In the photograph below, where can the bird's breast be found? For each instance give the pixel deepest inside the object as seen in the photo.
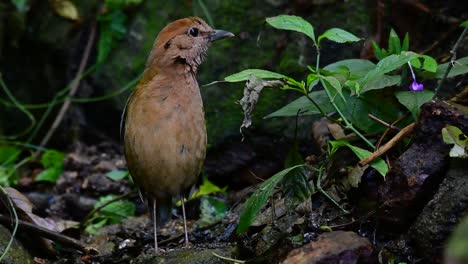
(165, 138)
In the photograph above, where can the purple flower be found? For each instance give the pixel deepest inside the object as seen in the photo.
(415, 86)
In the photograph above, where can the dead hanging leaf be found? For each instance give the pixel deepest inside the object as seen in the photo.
(65, 9)
(355, 176)
(252, 90)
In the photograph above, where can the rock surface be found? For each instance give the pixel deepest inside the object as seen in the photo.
(17, 253)
(333, 247)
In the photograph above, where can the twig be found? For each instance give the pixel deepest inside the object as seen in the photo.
(52, 235)
(228, 259)
(378, 120)
(379, 152)
(388, 130)
(452, 61)
(74, 88)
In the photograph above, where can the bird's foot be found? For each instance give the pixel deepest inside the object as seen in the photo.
(187, 245)
(159, 251)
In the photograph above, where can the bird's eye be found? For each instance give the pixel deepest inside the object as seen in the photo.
(193, 32)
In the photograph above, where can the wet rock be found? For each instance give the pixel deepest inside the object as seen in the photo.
(431, 229)
(418, 172)
(334, 247)
(17, 252)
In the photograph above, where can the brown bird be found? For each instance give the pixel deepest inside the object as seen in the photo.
(164, 125)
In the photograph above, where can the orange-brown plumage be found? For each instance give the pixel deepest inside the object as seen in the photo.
(164, 132)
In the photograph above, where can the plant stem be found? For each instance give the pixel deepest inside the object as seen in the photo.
(319, 187)
(452, 61)
(74, 88)
(317, 68)
(348, 124)
(16, 222)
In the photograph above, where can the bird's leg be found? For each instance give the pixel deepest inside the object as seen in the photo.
(187, 244)
(156, 249)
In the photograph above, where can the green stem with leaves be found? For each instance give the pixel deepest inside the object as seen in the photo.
(349, 125)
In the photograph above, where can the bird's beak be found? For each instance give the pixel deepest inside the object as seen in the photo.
(219, 34)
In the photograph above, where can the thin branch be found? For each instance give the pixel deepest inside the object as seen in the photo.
(452, 61)
(52, 235)
(74, 88)
(378, 120)
(379, 152)
(399, 119)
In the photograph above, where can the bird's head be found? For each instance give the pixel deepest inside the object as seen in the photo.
(184, 41)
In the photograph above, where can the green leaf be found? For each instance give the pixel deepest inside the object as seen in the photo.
(332, 82)
(405, 45)
(460, 66)
(394, 43)
(378, 164)
(338, 35)
(8, 175)
(413, 100)
(381, 82)
(117, 210)
(303, 106)
(212, 210)
(117, 175)
(454, 135)
(464, 24)
(429, 63)
(52, 161)
(295, 185)
(378, 52)
(207, 188)
(8, 154)
(293, 23)
(389, 64)
(245, 75)
(357, 67)
(93, 229)
(259, 198)
(113, 29)
(380, 103)
(49, 175)
(21, 5)
(311, 80)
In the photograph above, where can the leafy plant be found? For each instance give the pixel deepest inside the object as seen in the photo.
(454, 135)
(112, 213)
(113, 26)
(352, 90)
(394, 46)
(52, 161)
(259, 198)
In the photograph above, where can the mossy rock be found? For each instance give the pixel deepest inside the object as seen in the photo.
(17, 253)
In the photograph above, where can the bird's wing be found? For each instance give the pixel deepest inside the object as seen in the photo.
(123, 117)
